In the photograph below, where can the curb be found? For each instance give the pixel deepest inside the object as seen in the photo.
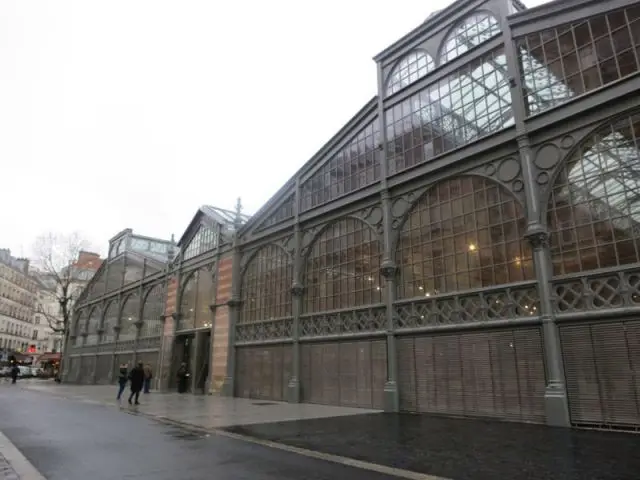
(23, 468)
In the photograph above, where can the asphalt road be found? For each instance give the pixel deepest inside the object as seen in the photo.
(72, 440)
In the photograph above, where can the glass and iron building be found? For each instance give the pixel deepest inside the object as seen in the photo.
(465, 245)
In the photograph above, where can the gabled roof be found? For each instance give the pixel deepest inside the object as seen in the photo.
(226, 218)
(319, 157)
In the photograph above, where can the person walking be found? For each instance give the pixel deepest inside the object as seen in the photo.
(136, 377)
(123, 376)
(148, 375)
(15, 371)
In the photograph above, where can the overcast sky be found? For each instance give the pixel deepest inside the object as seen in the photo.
(132, 113)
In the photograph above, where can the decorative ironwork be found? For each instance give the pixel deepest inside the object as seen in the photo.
(125, 346)
(458, 309)
(364, 320)
(475, 29)
(297, 290)
(149, 343)
(411, 68)
(279, 329)
(599, 291)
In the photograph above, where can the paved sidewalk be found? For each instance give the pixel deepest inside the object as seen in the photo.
(202, 411)
(14, 465)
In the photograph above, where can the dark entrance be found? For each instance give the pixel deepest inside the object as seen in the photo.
(182, 353)
(203, 359)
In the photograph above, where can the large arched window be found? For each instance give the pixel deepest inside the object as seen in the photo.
(408, 70)
(79, 326)
(463, 233)
(129, 317)
(153, 308)
(110, 321)
(343, 268)
(266, 286)
(477, 28)
(93, 324)
(204, 297)
(188, 303)
(594, 207)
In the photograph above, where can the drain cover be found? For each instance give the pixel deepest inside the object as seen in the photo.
(264, 404)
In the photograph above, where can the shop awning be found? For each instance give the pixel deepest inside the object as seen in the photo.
(48, 357)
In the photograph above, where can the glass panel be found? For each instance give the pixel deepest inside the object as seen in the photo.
(93, 324)
(560, 63)
(188, 303)
(464, 233)
(110, 321)
(266, 286)
(410, 69)
(284, 212)
(343, 268)
(473, 102)
(81, 324)
(115, 273)
(355, 166)
(595, 203)
(133, 272)
(204, 240)
(472, 31)
(204, 298)
(153, 308)
(129, 317)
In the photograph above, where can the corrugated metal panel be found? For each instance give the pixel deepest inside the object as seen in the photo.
(602, 367)
(344, 373)
(497, 373)
(103, 368)
(263, 372)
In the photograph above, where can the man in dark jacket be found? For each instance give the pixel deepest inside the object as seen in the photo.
(136, 377)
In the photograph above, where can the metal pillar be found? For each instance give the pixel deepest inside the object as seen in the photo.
(294, 392)
(556, 406)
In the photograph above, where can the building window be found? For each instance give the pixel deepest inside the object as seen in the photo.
(204, 240)
(266, 286)
(129, 317)
(153, 308)
(110, 321)
(562, 62)
(284, 212)
(354, 166)
(471, 32)
(594, 208)
(343, 268)
(464, 233)
(411, 68)
(93, 324)
(472, 102)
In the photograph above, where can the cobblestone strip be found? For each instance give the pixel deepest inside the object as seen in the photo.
(6, 470)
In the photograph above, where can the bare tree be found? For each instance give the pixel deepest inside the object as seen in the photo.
(55, 257)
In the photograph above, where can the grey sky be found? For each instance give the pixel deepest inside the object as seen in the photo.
(132, 113)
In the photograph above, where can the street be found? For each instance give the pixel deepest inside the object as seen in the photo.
(72, 440)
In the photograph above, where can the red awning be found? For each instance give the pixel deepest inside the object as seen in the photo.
(48, 357)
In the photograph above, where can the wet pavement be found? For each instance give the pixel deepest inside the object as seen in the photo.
(67, 439)
(463, 449)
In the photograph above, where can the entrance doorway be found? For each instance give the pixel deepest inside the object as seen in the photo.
(202, 361)
(182, 353)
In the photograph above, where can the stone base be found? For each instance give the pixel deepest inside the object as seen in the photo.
(391, 397)
(556, 406)
(293, 391)
(227, 387)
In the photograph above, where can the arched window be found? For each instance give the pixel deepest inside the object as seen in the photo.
(153, 308)
(343, 268)
(188, 303)
(129, 317)
(93, 324)
(79, 327)
(463, 233)
(408, 70)
(266, 286)
(110, 321)
(594, 207)
(204, 297)
(477, 28)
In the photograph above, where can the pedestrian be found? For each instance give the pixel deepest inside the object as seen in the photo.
(136, 377)
(183, 378)
(148, 375)
(15, 370)
(123, 376)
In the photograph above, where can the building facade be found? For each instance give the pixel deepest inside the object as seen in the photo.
(18, 292)
(160, 303)
(467, 244)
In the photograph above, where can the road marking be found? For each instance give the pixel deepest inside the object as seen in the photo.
(23, 467)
